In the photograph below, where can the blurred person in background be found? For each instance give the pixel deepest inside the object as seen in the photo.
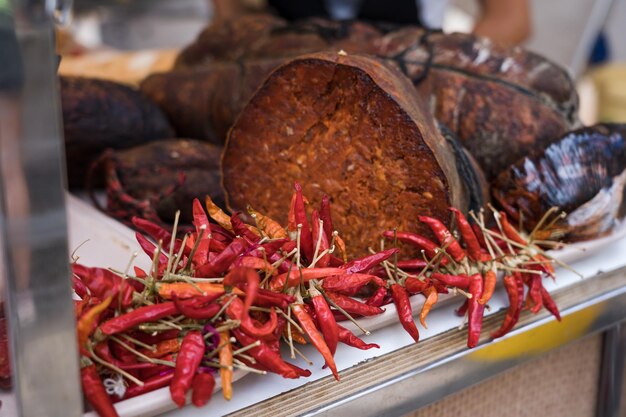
(506, 22)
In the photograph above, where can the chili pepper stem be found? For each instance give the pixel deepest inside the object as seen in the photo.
(298, 238)
(139, 354)
(228, 325)
(224, 307)
(289, 336)
(395, 255)
(317, 245)
(180, 253)
(238, 364)
(302, 356)
(170, 256)
(151, 348)
(290, 320)
(170, 324)
(543, 219)
(196, 244)
(75, 257)
(321, 255)
(246, 348)
(344, 312)
(113, 367)
(496, 216)
(217, 349)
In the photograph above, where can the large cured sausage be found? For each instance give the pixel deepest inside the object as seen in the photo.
(349, 127)
(100, 114)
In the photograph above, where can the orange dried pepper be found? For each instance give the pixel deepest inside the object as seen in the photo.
(226, 362)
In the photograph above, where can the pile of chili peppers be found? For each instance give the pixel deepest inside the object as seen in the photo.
(228, 295)
(473, 269)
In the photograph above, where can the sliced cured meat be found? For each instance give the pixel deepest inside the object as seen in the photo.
(349, 127)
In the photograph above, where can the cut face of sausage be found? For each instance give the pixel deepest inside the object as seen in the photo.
(346, 126)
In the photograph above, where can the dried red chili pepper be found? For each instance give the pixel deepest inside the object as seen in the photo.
(470, 239)
(268, 359)
(266, 298)
(94, 391)
(186, 290)
(199, 307)
(348, 338)
(151, 339)
(405, 312)
(459, 281)
(123, 354)
(202, 388)
(88, 322)
(431, 299)
(187, 363)
(326, 217)
(415, 285)
(445, 237)
(510, 232)
(369, 261)
(140, 315)
(103, 351)
(150, 249)
(243, 230)
(317, 234)
(462, 309)
(302, 275)
(549, 303)
(412, 264)
(378, 298)
(515, 296)
(103, 283)
(353, 306)
(271, 248)
(489, 286)
(350, 284)
(156, 232)
(151, 384)
(430, 248)
(314, 335)
(222, 261)
(79, 287)
(156, 369)
(163, 348)
(307, 246)
(226, 363)
(237, 311)
(475, 310)
(325, 320)
(534, 292)
(480, 236)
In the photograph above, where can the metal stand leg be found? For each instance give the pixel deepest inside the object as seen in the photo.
(612, 371)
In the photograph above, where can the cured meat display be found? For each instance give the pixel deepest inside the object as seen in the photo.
(469, 83)
(347, 126)
(98, 115)
(493, 106)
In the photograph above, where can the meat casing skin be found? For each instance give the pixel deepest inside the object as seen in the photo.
(349, 127)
